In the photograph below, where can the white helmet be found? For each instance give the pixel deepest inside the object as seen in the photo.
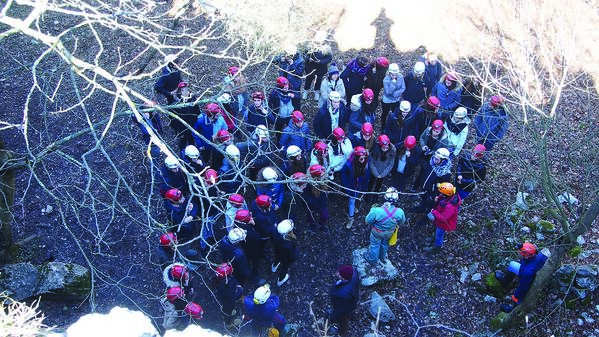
(232, 151)
(192, 152)
(237, 235)
(262, 131)
(285, 226)
(290, 49)
(262, 294)
(335, 96)
(419, 68)
(293, 151)
(269, 174)
(460, 112)
(405, 106)
(391, 195)
(393, 68)
(442, 153)
(171, 162)
(170, 58)
(224, 98)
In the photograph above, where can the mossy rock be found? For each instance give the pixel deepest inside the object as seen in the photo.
(575, 251)
(493, 285)
(497, 321)
(547, 226)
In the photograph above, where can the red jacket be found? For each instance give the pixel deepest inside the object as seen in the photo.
(446, 212)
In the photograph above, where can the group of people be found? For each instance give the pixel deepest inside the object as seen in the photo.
(241, 142)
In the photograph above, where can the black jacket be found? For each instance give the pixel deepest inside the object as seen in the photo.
(322, 121)
(344, 297)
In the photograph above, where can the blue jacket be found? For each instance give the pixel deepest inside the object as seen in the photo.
(236, 255)
(491, 125)
(264, 221)
(344, 297)
(424, 119)
(322, 121)
(393, 90)
(415, 88)
(353, 81)
(472, 172)
(449, 98)
(171, 179)
(396, 133)
(253, 119)
(300, 137)
(275, 191)
(208, 129)
(528, 272)
(293, 71)
(315, 203)
(230, 181)
(359, 117)
(354, 185)
(262, 314)
(321, 67)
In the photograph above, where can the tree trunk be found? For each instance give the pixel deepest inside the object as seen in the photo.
(7, 194)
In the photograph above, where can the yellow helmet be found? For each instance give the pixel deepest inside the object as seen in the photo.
(446, 188)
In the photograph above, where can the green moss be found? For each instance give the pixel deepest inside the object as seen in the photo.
(575, 251)
(532, 226)
(431, 290)
(550, 213)
(497, 321)
(493, 285)
(80, 286)
(13, 252)
(547, 226)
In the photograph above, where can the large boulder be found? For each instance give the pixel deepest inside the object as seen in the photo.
(23, 280)
(379, 308)
(369, 274)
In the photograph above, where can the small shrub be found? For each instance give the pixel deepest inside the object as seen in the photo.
(575, 251)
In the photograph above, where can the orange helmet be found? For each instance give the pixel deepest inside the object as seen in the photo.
(446, 188)
(527, 250)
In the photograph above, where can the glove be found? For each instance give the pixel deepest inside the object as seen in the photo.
(431, 216)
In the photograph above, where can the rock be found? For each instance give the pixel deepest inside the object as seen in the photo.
(586, 271)
(540, 237)
(463, 276)
(476, 277)
(580, 240)
(586, 283)
(490, 299)
(525, 229)
(369, 274)
(567, 197)
(579, 321)
(521, 200)
(588, 319)
(562, 277)
(377, 303)
(47, 210)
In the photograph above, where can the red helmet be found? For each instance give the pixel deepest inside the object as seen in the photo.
(258, 95)
(173, 195)
(168, 239)
(236, 200)
(178, 271)
(173, 293)
(182, 85)
(194, 310)
(233, 70)
(451, 76)
(367, 129)
(368, 94)
(433, 102)
(263, 201)
(360, 151)
(243, 216)
(224, 270)
(211, 176)
(410, 142)
(298, 176)
(382, 62)
(282, 82)
(384, 140)
(212, 109)
(496, 101)
(223, 135)
(527, 250)
(437, 124)
(339, 134)
(317, 171)
(320, 147)
(297, 116)
(479, 150)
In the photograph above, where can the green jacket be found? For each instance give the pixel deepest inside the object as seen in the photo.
(379, 219)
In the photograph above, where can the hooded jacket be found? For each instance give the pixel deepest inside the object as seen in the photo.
(378, 166)
(293, 71)
(322, 123)
(393, 89)
(456, 134)
(473, 171)
(446, 212)
(275, 191)
(354, 185)
(359, 114)
(491, 125)
(300, 137)
(398, 133)
(449, 98)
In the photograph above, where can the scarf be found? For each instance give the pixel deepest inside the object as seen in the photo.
(356, 68)
(441, 170)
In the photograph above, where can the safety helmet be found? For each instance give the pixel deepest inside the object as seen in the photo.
(243, 216)
(479, 150)
(194, 310)
(367, 129)
(442, 153)
(223, 270)
(382, 61)
(270, 175)
(182, 84)
(460, 112)
(437, 124)
(258, 95)
(293, 151)
(192, 152)
(368, 94)
(320, 147)
(316, 171)
(393, 68)
(446, 188)
(297, 116)
(173, 195)
(170, 58)
(171, 162)
(262, 294)
(339, 134)
(527, 250)
(263, 201)
(290, 49)
(233, 70)
(496, 101)
(433, 102)
(334, 96)
(419, 68)
(224, 98)
(174, 293)
(410, 142)
(223, 135)
(232, 151)
(178, 271)
(298, 176)
(262, 131)
(285, 226)
(383, 140)
(168, 239)
(360, 151)
(391, 195)
(236, 200)
(405, 106)
(212, 109)
(236, 235)
(451, 76)
(282, 82)
(211, 176)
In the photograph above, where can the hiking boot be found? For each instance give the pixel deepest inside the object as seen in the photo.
(432, 250)
(274, 267)
(507, 308)
(350, 222)
(316, 96)
(281, 282)
(305, 94)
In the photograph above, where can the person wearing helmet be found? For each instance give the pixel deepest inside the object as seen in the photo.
(177, 275)
(280, 103)
(365, 137)
(261, 308)
(235, 202)
(172, 176)
(363, 110)
(285, 250)
(231, 250)
(297, 133)
(331, 115)
(354, 75)
(252, 245)
(425, 114)
(383, 221)
(235, 84)
(187, 110)
(375, 77)
(416, 84)
(192, 160)
(382, 159)
(170, 78)
(456, 129)
(354, 178)
(471, 96)
(317, 61)
(270, 175)
(231, 178)
(265, 221)
(344, 295)
(436, 170)
(222, 139)
(321, 155)
(408, 158)
(393, 88)
(173, 304)
(167, 248)
(228, 292)
(444, 214)
(181, 214)
(526, 269)
(209, 123)
(331, 83)
(472, 169)
(401, 123)
(433, 69)
(296, 161)
(491, 122)
(434, 137)
(258, 113)
(229, 113)
(316, 199)
(256, 151)
(291, 66)
(340, 149)
(449, 91)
